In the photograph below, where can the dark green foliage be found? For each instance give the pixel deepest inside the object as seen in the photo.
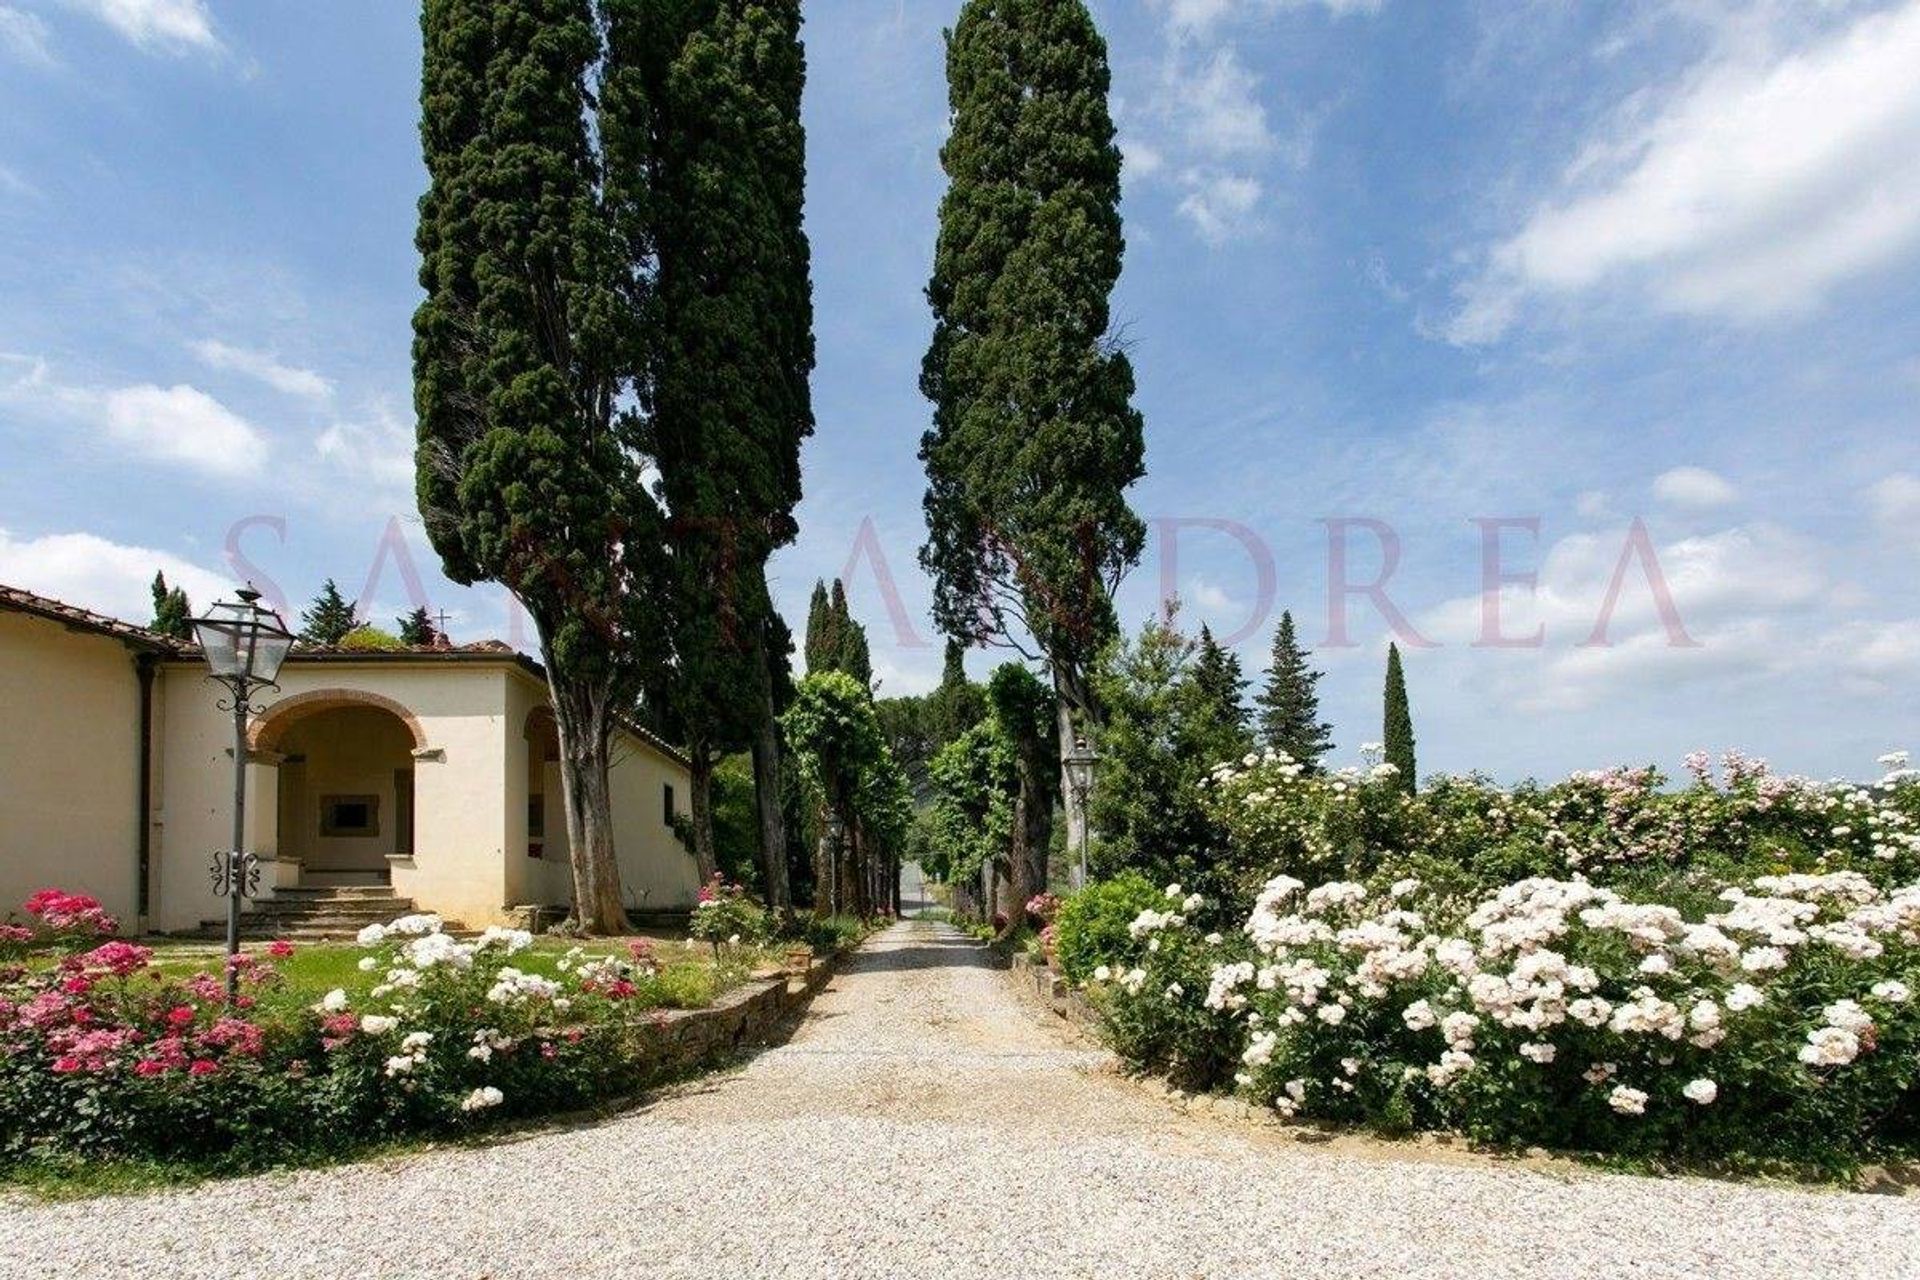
(172, 612)
(836, 641)
(1399, 722)
(1034, 439)
(1289, 702)
(903, 723)
(957, 704)
(328, 620)
(1219, 683)
(531, 359)
(417, 629)
(1165, 730)
(1091, 929)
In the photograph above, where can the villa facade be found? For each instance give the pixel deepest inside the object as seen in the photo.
(434, 771)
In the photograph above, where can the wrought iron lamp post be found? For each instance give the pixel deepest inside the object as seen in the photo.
(1079, 764)
(836, 831)
(244, 646)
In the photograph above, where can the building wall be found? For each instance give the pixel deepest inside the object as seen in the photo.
(69, 764)
(350, 751)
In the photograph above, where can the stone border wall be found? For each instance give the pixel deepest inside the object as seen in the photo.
(1056, 993)
(754, 1013)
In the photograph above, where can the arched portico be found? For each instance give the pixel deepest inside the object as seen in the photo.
(344, 799)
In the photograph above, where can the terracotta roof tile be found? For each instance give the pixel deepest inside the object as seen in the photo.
(21, 601)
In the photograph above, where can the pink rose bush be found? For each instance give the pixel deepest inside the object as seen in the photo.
(104, 1054)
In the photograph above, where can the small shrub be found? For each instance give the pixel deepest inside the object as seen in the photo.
(726, 917)
(1090, 928)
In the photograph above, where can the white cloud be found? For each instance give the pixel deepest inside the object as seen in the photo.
(185, 425)
(376, 452)
(1592, 504)
(1215, 106)
(1203, 15)
(1895, 501)
(1762, 184)
(1220, 205)
(107, 577)
(23, 37)
(166, 26)
(263, 367)
(1142, 159)
(1693, 487)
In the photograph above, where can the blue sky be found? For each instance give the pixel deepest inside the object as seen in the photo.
(1422, 265)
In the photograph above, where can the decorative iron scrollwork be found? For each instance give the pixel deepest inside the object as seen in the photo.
(224, 871)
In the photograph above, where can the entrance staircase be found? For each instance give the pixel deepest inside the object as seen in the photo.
(321, 913)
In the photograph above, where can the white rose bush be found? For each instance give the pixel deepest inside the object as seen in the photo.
(1660, 1005)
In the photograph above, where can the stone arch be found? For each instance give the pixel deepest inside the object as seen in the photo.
(541, 729)
(265, 733)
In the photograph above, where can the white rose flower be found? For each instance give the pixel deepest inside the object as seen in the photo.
(1627, 1101)
(1102, 973)
(368, 964)
(482, 1098)
(378, 1024)
(1702, 1091)
(335, 1001)
(1892, 991)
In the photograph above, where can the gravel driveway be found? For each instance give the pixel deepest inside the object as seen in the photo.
(925, 1121)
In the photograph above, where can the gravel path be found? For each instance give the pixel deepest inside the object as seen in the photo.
(926, 1121)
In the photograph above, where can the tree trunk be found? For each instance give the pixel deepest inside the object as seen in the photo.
(585, 727)
(700, 803)
(773, 820)
(1074, 717)
(823, 870)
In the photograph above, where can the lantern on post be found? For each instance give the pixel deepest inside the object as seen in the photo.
(244, 646)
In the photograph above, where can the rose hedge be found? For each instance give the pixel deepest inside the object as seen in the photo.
(1777, 1025)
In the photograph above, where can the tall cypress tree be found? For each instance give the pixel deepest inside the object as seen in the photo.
(1289, 701)
(822, 648)
(851, 653)
(535, 257)
(417, 629)
(172, 613)
(329, 618)
(957, 703)
(1399, 722)
(728, 392)
(1034, 439)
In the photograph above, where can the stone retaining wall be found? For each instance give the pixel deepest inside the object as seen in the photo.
(1056, 992)
(751, 1014)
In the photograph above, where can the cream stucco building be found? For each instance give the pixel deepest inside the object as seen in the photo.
(431, 770)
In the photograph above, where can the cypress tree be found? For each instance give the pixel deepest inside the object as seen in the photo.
(535, 258)
(851, 654)
(172, 614)
(728, 389)
(1398, 735)
(1289, 702)
(1034, 439)
(417, 629)
(821, 648)
(329, 618)
(957, 704)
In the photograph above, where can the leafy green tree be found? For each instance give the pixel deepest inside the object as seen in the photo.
(904, 724)
(975, 783)
(417, 629)
(537, 258)
(842, 757)
(329, 618)
(1399, 722)
(1289, 701)
(1034, 439)
(172, 613)
(1164, 733)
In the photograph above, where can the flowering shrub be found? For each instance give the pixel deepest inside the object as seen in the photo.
(60, 920)
(1777, 1023)
(1610, 825)
(725, 915)
(1043, 907)
(105, 1054)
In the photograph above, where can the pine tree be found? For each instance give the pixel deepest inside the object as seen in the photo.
(1290, 701)
(172, 614)
(417, 629)
(328, 620)
(1034, 439)
(1220, 684)
(1399, 722)
(536, 256)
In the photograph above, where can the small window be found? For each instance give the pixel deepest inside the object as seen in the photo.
(536, 818)
(350, 817)
(666, 797)
(403, 812)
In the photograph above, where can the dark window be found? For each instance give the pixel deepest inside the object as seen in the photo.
(666, 796)
(350, 816)
(403, 812)
(536, 817)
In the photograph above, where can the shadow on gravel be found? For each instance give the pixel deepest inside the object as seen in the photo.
(924, 953)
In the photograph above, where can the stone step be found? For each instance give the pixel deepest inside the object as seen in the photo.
(325, 892)
(366, 911)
